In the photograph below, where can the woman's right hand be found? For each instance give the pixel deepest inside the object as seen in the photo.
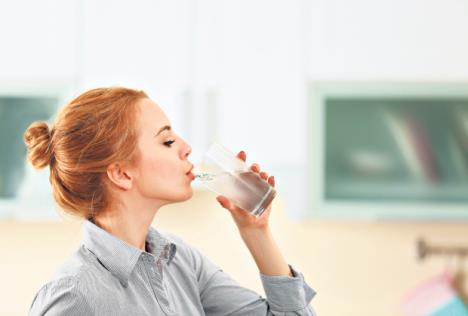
(246, 221)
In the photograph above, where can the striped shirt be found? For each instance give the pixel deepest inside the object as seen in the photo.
(107, 276)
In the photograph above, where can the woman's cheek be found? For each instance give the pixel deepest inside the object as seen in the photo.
(162, 170)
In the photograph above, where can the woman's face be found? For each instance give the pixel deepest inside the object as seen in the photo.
(161, 171)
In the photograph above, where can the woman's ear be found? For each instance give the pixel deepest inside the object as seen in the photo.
(119, 176)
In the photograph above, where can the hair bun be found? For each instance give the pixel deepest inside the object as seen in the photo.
(38, 142)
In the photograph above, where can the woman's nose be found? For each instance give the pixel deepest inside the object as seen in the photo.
(187, 150)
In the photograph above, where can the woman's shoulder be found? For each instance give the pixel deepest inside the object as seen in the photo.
(71, 272)
(60, 295)
(74, 268)
(69, 286)
(59, 286)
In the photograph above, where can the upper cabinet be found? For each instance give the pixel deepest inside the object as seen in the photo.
(238, 72)
(250, 62)
(145, 44)
(39, 41)
(388, 150)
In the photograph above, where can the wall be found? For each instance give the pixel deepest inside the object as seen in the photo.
(358, 269)
(270, 50)
(387, 40)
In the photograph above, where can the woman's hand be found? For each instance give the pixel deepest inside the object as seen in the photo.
(256, 233)
(246, 221)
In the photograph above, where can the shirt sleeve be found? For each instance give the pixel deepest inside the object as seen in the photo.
(60, 297)
(221, 295)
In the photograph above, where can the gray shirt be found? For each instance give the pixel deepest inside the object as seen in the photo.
(107, 276)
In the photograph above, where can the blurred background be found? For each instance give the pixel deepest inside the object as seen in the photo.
(359, 108)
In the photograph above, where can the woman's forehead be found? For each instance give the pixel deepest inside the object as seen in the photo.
(151, 114)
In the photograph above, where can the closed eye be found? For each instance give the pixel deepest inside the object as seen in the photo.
(169, 143)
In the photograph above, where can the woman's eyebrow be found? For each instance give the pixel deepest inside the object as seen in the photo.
(166, 127)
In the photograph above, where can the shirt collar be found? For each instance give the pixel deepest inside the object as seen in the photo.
(118, 256)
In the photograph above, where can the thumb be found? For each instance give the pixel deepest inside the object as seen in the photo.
(224, 202)
(227, 204)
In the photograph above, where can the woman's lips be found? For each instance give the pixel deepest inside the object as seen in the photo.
(191, 175)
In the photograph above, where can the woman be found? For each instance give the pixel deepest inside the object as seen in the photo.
(114, 161)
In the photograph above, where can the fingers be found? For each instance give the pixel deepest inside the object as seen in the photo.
(271, 181)
(255, 167)
(242, 155)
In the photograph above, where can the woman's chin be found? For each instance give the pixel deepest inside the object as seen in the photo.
(179, 196)
(187, 195)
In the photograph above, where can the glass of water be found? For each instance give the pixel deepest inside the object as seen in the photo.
(224, 173)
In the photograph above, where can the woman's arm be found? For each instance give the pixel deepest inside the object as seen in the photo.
(221, 295)
(287, 293)
(256, 233)
(286, 290)
(265, 252)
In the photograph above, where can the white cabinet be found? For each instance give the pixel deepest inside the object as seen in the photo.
(250, 55)
(145, 45)
(250, 85)
(421, 40)
(38, 41)
(53, 47)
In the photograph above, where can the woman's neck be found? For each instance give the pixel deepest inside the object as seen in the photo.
(127, 224)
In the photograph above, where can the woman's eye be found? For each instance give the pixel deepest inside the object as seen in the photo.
(169, 143)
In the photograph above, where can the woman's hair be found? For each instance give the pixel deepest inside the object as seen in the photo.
(92, 131)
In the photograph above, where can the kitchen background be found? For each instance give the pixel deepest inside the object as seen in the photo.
(359, 108)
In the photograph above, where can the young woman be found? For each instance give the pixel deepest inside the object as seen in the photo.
(114, 161)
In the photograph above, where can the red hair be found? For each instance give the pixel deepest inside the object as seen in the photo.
(92, 131)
